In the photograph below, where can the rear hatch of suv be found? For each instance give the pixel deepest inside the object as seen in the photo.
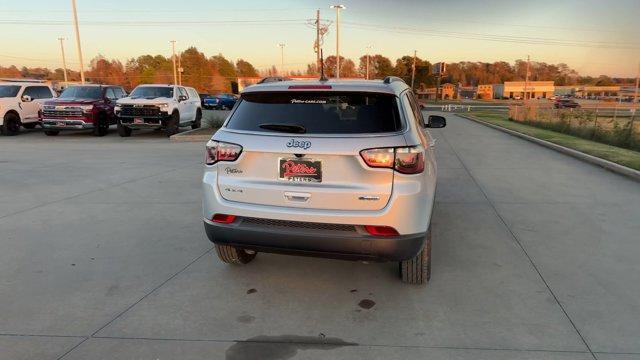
(302, 149)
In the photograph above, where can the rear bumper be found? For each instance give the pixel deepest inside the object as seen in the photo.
(65, 124)
(330, 244)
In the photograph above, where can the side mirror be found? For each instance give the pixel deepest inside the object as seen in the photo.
(436, 121)
(26, 98)
(182, 98)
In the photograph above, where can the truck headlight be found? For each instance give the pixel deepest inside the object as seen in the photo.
(86, 108)
(163, 107)
(117, 108)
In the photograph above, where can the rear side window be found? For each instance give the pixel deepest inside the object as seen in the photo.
(318, 112)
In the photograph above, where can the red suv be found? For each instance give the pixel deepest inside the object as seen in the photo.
(81, 107)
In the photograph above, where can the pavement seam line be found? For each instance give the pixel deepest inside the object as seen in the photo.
(152, 291)
(333, 343)
(92, 191)
(73, 348)
(515, 238)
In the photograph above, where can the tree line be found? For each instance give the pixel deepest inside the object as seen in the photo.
(218, 74)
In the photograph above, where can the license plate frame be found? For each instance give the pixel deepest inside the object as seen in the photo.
(138, 120)
(299, 170)
(61, 124)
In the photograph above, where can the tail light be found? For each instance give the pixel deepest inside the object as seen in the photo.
(405, 160)
(221, 151)
(223, 218)
(381, 230)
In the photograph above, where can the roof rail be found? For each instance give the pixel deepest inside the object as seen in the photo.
(273, 79)
(390, 79)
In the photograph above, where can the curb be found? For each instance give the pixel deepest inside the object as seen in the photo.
(611, 166)
(188, 136)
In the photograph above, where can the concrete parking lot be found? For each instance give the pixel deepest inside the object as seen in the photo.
(103, 256)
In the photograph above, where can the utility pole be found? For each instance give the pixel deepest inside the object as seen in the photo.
(64, 62)
(526, 80)
(368, 50)
(282, 45)
(338, 8)
(180, 69)
(635, 95)
(173, 57)
(75, 21)
(413, 69)
(318, 39)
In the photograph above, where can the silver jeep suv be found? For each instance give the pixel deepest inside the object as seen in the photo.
(341, 169)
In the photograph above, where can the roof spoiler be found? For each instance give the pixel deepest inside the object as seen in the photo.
(273, 79)
(390, 79)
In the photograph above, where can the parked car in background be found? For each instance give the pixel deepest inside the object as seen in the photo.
(202, 97)
(341, 169)
(20, 104)
(82, 107)
(220, 102)
(566, 103)
(167, 107)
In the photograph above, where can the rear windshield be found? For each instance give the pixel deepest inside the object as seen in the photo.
(318, 112)
(82, 92)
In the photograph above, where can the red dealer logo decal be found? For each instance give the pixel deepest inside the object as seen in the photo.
(293, 169)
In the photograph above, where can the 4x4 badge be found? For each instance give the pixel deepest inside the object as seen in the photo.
(293, 143)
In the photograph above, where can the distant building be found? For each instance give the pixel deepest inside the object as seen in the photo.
(466, 92)
(485, 92)
(517, 90)
(448, 91)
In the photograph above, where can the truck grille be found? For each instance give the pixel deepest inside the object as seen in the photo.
(62, 113)
(141, 111)
(297, 224)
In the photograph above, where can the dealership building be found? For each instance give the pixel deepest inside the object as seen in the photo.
(523, 90)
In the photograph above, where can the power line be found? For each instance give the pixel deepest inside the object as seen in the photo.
(494, 37)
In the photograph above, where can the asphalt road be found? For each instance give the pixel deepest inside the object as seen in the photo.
(103, 256)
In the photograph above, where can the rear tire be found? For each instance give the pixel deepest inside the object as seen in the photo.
(198, 121)
(172, 125)
(11, 125)
(101, 126)
(52, 132)
(232, 255)
(418, 269)
(30, 126)
(123, 131)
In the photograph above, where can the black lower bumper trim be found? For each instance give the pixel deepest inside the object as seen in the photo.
(321, 244)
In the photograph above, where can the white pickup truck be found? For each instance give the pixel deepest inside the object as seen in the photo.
(167, 107)
(20, 103)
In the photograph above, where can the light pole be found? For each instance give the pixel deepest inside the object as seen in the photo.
(368, 50)
(175, 74)
(64, 62)
(282, 45)
(75, 21)
(413, 69)
(338, 8)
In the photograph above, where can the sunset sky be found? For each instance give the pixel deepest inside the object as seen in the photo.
(593, 37)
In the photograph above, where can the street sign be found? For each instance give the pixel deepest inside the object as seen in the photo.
(439, 68)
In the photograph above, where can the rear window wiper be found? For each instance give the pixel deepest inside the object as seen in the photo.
(288, 128)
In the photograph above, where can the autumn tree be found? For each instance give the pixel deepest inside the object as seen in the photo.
(379, 66)
(347, 67)
(103, 71)
(244, 68)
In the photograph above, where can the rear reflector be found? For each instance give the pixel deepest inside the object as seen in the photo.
(223, 218)
(310, 87)
(381, 230)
